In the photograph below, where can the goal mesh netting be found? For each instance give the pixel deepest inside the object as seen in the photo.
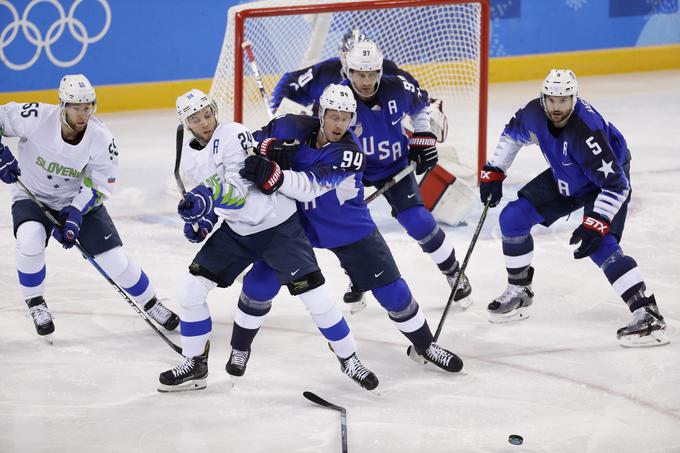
(443, 44)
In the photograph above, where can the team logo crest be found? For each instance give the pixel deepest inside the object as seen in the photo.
(358, 129)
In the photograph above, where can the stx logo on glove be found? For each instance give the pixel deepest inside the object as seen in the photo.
(594, 224)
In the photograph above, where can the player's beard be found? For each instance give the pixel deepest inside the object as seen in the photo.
(558, 117)
(78, 125)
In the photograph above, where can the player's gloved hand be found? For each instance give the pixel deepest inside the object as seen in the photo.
(196, 204)
(70, 219)
(422, 149)
(200, 230)
(9, 167)
(590, 234)
(266, 174)
(491, 184)
(280, 151)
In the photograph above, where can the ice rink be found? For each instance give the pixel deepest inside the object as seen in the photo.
(560, 379)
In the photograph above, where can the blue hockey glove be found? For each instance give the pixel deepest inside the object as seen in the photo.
(491, 184)
(266, 174)
(280, 151)
(422, 149)
(196, 204)
(70, 219)
(9, 167)
(203, 228)
(590, 234)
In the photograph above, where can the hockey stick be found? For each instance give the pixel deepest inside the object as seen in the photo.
(247, 46)
(343, 414)
(389, 184)
(178, 158)
(411, 351)
(90, 258)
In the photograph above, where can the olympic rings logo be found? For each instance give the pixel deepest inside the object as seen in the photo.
(54, 32)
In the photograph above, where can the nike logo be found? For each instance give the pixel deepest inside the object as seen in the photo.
(378, 274)
(565, 164)
(398, 120)
(108, 236)
(411, 195)
(294, 272)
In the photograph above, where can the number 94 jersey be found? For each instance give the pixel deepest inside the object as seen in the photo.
(330, 194)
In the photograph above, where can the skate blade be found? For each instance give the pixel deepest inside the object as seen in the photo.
(656, 338)
(515, 315)
(196, 384)
(48, 339)
(413, 355)
(356, 307)
(464, 303)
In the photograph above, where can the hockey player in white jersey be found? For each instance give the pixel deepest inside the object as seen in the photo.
(256, 227)
(68, 159)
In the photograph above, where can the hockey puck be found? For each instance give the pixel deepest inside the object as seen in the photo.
(515, 439)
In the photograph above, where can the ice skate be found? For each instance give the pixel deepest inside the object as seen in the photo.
(512, 305)
(188, 375)
(443, 358)
(355, 298)
(647, 328)
(161, 314)
(353, 368)
(236, 366)
(462, 297)
(42, 318)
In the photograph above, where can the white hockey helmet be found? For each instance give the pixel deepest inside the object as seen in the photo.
(191, 102)
(364, 56)
(560, 82)
(340, 98)
(76, 89)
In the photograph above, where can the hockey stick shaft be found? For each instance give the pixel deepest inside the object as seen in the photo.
(92, 261)
(391, 183)
(179, 141)
(313, 397)
(247, 46)
(463, 266)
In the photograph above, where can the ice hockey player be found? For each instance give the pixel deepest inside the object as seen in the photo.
(256, 227)
(68, 159)
(323, 174)
(589, 165)
(382, 102)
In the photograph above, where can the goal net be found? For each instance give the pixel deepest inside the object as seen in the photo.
(443, 44)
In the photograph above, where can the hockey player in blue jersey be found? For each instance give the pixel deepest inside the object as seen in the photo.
(589, 167)
(323, 174)
(382, 103)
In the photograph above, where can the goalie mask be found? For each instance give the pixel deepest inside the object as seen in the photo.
(347, 42)
(560, 82)
(364, 57)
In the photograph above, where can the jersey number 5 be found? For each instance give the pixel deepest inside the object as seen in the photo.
(593, 145)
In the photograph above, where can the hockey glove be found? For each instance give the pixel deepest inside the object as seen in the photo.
(491, 184)
(196, 204)
(9, 167)
(422, 149)
(590, 234)
(200, 230)
(70, 219)
(266, 175)
(280, 151)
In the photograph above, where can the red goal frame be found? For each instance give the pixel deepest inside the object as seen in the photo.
(243, 15)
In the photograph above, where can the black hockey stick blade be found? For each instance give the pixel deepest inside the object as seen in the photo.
(313, 397)
(178, 158)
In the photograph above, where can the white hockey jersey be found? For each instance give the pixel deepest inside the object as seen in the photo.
(238, 201)
(53, 170)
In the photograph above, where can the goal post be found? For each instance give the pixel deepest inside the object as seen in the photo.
(443, 43)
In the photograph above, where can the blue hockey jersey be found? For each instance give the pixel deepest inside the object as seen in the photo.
(586, 155)
(379, 128)
(305, 86)
(339, 216)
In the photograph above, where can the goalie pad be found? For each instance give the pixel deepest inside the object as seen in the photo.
(289, 106)
(439, 123)
(447, 197)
